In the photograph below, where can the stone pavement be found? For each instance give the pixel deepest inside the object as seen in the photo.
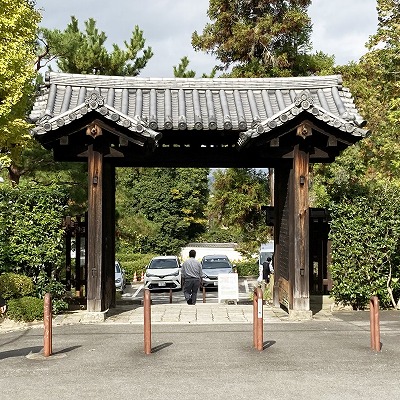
(199, 314)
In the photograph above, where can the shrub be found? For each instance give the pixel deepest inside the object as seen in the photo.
(25, 309)
(247, 267)
(56, 289)
(15, 285)
(134, 262)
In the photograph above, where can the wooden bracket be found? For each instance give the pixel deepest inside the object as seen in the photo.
(94, 130)
(304, 130)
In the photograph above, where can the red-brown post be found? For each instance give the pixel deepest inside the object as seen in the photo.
(204, 294)
(48, 329)
(375, 324)
(147, 321)
(260, 316)
(255, 319)
(170, 296)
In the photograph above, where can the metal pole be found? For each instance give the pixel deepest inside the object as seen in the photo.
(260, 327)
(255, 319)
(147, 321)
(48, 329)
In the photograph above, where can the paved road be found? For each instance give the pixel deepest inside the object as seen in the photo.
(135, 293)
(313, 360)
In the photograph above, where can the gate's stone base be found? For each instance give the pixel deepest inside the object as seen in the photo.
(94, 317)
(300, 315)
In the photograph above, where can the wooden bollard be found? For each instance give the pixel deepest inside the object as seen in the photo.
(260, 320)
(170, 296)
(204, 294)
(147, 321)
(255, 318)
(375, 324)
(48, 326)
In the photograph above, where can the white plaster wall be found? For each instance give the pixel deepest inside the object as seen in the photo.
(230, 252)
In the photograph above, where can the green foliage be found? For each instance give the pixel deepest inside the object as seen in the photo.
(31, 235)
(247, 267)
(15, 285)
(181, 70)
(86, 53)
(235, 205)
(18, 24)
(25, 309)
(365, 233)
(44, 285)
(134, 262)
(160, 209)
(361, 187)
(261, 38)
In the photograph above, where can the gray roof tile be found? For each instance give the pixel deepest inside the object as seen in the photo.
(251, 106)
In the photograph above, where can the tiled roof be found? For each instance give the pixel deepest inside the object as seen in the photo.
(149, 106)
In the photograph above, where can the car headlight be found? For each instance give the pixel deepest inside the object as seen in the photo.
(175, 273)
(118, 280)
(205, 275)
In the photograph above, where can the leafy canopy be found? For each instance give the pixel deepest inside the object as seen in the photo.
(160, 209)
(18, 25)
(261, 38)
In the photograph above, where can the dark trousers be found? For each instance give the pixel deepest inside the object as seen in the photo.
(190, 289)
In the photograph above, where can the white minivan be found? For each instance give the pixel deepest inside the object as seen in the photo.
(163, 272)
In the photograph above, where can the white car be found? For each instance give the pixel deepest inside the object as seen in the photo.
(119, 277)
(163, 272)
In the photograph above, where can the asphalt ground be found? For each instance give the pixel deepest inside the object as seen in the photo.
(325, 358)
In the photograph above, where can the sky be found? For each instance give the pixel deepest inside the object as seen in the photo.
(340, 27)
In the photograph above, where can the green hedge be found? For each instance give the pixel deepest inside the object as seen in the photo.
(134, 262)
(25, 309)
(15, 285)
(247, 267)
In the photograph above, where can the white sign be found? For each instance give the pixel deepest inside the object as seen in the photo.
(228, 287)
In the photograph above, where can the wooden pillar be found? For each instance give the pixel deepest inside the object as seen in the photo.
(282, 253)
(68, 240)
(78, 267)
(300, 235)
(291, 235)
(109, 235)
(95, 230)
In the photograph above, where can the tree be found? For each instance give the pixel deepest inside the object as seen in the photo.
(366, 176)
(18, 25)
(85, 52)
(161, 209)
(261, 38)
(181, 70)
(235, 206)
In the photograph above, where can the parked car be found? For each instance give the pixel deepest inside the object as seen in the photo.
(213, 265)
(120, 282)
(163, 272)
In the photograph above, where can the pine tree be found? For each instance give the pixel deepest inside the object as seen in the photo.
(261, 37)
(85, 52)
